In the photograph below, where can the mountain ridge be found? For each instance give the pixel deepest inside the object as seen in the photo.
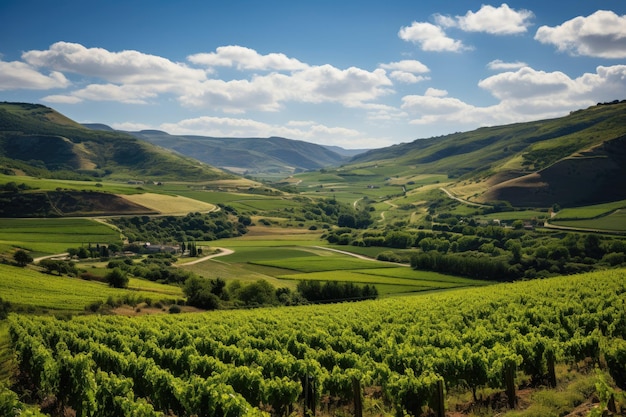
(39, 141)
(538, 163)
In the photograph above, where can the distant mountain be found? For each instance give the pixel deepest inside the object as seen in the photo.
(350, 153)
(254, 156)
(37, 140)
(579, 159)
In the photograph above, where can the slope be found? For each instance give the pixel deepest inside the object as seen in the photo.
(577, 159)
(248, 155)
(39, 141)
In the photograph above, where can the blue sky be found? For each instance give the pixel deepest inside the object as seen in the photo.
(357, 74)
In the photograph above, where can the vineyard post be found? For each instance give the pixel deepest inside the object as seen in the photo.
(509, 382)
(440, 399)
(358, 404)
(550, 364)
(309, 395)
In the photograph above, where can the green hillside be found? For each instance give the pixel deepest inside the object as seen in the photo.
(573, 160)
(36, 140)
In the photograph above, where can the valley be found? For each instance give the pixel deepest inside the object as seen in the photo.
(446, 259)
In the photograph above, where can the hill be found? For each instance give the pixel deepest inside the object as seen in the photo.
(38, 141)
(574, 160)
(273, 156)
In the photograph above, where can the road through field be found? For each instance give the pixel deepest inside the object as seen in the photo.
(354, 255)
(223, 252)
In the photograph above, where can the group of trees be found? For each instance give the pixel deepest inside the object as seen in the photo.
(173, 229)
(335, 291)
(212, 294)
(327, 212)
(493, 252)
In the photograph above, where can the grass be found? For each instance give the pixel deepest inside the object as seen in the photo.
(288, 260)
(323, 263)
(50, 236)
(167, 204)
(615, 221)
(33, 290)
(589, 212)
(44, 184)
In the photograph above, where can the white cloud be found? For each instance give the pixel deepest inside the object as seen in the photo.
(126, 93)
(524, 95)
(131, 126)
(525, 83)
(407, 77)
(499, 65)
(602, 34)
(130, 67)
(319, 84)
(17, 75)
(404, 71)
(62, 99)
(435, 92)
(430, 37)
(407, 65)
(494, 20)
(246, 59)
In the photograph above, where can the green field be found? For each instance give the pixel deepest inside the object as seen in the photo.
(44, 184)
(283, 263)
(615, 221)
(589, 212)
(29, 289)
(51, 236)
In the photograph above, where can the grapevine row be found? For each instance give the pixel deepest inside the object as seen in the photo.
(242, 362)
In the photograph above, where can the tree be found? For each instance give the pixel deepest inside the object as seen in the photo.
(22, 258)
(117, 278)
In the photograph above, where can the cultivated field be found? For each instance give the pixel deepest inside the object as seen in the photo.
(51, 236)
(32, 290)
(170, 204)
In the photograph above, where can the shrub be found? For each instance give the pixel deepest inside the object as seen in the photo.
(117, 278)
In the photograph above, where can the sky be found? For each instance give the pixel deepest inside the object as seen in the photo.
(351, 73)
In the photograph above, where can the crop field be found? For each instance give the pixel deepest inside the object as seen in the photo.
(615, 221)
(238, 363)
(324, 263)
(168, 204)
(52, 184)
(50, 236)
(284, 263)
(28, 288)
(589, 212)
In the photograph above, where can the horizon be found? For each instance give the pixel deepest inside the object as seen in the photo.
(358, 75)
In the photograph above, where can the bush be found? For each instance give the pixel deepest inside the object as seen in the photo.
(117, 278)
(22, 258)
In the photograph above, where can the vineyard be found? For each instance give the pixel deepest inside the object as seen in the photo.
(273, 360)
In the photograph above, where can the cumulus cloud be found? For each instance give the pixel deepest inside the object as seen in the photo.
(494, 20)
(430, 38)
(405, 71)
(527, 82)
(602, 35)
(138, 78)
(18, 75)
(313, 85)
(525, 94)
(499, 65)
(244, 58)
(117, 67)
(62, 99)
